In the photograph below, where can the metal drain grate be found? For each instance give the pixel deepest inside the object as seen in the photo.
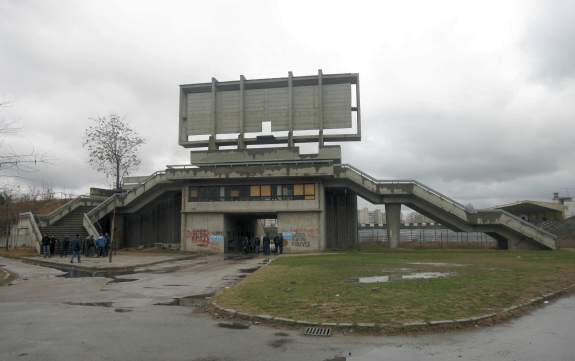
(317, 331)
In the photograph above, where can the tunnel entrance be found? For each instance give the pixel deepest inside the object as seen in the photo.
(238, 227)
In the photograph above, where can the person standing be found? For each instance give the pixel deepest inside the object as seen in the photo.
(257, 242)
(276, 244)
(100, 244)
(281, 243)
(266, 245)
(46, 245)
(107, 244)
(91, 246)
(52, 245)
(66, 246)
(76, 248)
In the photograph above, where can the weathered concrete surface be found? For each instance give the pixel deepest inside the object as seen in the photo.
(393, 220)
(38, 325)
(289, 154)
(121, 260)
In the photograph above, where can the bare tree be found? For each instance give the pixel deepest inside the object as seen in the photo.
(112, 146)
(11, 160)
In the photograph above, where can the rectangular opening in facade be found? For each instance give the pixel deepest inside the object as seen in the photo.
(252, 192)
(242, 228)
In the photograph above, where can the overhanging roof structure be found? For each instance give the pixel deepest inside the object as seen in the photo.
(212, 114)
(532, 206)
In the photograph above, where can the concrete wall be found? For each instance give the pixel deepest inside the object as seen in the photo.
(156, 222)
(302, 231)
(203, 232)
(340, 219)
(263, 155)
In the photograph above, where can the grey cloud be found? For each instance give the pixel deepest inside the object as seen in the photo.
(550, 40)
(435, 109)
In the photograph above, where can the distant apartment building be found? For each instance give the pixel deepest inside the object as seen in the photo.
(567, 202)
(415, 217)
(365, 216)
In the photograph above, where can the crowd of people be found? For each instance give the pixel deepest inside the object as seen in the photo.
(75, 246)
(254, 245)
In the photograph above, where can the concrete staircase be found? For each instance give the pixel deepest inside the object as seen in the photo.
(69, 225)
(495, 222)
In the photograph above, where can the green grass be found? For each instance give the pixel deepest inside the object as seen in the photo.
(318, 288)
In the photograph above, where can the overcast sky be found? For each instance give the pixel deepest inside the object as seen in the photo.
(475, 99)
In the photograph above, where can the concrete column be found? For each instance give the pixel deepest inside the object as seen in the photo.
(212, 142)
(290, 109)
(320, 90)
(320, 193)
(241, 143)
(117, 230)
(393, 219)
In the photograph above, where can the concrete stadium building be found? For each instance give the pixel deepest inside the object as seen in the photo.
(239, 175)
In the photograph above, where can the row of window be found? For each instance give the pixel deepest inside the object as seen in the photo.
(254, 192)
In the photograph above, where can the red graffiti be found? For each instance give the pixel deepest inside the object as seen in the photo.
(199, 237)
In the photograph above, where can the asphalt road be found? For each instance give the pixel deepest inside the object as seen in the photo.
(46, 317)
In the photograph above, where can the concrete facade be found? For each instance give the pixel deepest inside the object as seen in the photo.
(208, 225)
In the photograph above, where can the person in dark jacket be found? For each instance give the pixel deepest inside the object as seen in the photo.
(266, 245)
(46, 245)
(257, 243)
(107, 245)
(76, 248)
(276, 244)
(280, 243)
(52, 245)
(65, 246)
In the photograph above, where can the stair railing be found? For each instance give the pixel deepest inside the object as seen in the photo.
(89, 226)
(36, 234)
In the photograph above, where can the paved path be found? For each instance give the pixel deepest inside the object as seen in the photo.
(121, 260)
(37, 322)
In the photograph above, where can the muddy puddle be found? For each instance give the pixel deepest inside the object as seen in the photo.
(92, 304)
(234, 325)
(402, 277)
(198, 301)
(437, 264)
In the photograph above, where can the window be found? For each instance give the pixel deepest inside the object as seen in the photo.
(193, 194)
(204, 194)
(255, 192)
(309, 191)
(266, 192)
(298, 191)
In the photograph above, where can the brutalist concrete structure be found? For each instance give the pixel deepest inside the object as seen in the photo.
(239, 174)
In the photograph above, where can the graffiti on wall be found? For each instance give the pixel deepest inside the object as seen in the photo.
(205, 238)
(198, 237)
(300, 237)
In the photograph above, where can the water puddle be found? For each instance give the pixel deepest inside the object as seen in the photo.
(402, 277)
(437, 264)
(189, 301)
(121, 310)
(234, 325)
(95, 304)
(121, 280)
(280, 342)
